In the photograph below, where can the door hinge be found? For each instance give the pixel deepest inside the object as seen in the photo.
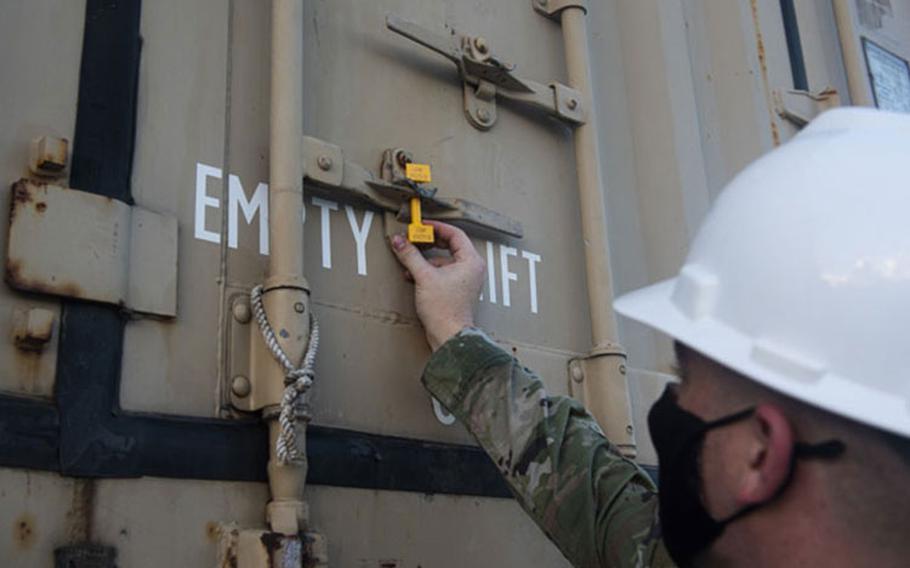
(75, 244)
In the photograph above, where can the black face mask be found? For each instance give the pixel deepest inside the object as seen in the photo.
(686, 526)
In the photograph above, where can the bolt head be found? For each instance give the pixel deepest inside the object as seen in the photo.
(299, 307)
(241, 386)
(572, 104)
(577, 374)
(402, 157)
(629, 429)
(324, 163)
(484, 115)
(480, 45)
(622, 369)
(241, 311)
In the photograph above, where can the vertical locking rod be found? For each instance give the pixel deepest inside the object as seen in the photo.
(605, 384)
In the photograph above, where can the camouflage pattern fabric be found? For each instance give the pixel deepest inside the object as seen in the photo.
(597, 506)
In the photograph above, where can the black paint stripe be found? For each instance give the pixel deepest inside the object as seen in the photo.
(106, 111)
(28, 433)
(355, 459)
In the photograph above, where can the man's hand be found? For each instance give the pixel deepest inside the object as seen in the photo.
(447, 288)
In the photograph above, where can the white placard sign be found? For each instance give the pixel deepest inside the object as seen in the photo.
(890, 78)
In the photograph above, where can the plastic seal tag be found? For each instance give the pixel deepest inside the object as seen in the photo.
(421, 234)
(417, 231)
(419, 173)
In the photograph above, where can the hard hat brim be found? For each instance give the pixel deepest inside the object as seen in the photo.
(767, 364)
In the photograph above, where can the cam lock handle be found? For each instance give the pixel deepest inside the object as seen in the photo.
(418, 233)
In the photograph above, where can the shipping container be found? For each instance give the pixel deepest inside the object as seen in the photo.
(153, 156)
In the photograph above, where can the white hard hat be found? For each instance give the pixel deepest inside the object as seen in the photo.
(799, 277)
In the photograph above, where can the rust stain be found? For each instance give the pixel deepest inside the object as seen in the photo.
(41, 207)
(24, 531)
(212, 531)
(21, 193)
(13, 270)
(228, 556)
(15, 278)
(79, 517)
(763, 64)
(28, 367)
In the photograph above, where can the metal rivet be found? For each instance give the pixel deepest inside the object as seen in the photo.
(572, 104)
(622, 369)
(241, 311)
(629, 429)
(484, 115)
(299, 307)
(577, 374)
(241, 386)
(324, 163)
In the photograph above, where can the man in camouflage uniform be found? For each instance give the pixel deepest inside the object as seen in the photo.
(757, 468)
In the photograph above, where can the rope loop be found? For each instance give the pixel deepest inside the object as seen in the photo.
(297, 380)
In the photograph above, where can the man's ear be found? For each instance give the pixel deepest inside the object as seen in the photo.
(770, 452)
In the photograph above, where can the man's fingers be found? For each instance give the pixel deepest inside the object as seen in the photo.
(453, 239)
(409, 256)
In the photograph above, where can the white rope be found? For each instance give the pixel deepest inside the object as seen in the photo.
(297, 380)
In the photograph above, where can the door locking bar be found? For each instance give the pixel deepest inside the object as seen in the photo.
(326, 170)
(485, 76)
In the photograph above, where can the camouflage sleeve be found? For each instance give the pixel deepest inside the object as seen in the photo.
(597, 506)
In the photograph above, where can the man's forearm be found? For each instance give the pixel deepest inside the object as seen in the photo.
(597, 506)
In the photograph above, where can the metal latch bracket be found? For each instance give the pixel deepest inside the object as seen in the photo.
(327, 171)
(800, 107)
(552, 8)
(486, 77)
(81, 245)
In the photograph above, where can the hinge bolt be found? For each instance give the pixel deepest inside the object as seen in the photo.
(241, 311)
(484, 115)
(577, 374)
(622, 369)
(299, 307)
(241, 386)
(572, 104)
(480, 45)
(629, 429)
(324, 163)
